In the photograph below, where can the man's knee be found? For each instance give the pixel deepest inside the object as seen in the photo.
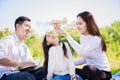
(19, 76)
(39, 73)
(27, 76)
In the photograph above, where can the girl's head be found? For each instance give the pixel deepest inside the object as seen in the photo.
(52, 39)
(87, 26)
(49, 41)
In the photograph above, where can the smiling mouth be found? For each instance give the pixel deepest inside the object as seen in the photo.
(27, 32)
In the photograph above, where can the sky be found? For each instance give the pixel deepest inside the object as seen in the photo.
(41, 12)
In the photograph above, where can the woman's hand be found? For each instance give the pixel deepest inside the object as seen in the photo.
(73, 77)
(59, 30)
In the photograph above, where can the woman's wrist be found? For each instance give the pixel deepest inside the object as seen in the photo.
(65, 34)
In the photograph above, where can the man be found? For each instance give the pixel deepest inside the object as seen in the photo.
(14, 54)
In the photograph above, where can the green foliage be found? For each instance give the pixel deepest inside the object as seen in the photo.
(112, 38)
(35, 44)
(110, 33)
(5, 32)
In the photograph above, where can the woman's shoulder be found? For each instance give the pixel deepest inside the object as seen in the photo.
(96, 38)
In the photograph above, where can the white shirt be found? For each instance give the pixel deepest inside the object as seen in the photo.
(58, 63)
(90, 48)
(12, 48)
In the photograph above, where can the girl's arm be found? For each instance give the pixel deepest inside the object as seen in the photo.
(71, 62)
(51, 63)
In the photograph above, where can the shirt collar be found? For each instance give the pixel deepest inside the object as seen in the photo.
(17, 39)
(61, 44)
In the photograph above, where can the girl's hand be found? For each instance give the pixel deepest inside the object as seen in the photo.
(73, 77)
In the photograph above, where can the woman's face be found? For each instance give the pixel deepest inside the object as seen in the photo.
(81, 25)
(52, 39)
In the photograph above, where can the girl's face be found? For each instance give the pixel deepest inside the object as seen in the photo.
(52, 39)
(81, 26)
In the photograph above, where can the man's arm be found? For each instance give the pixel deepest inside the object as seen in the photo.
(10, 63)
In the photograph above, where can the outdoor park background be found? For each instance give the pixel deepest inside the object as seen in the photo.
(105, 12)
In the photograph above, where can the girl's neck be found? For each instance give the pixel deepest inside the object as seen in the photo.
(57, 44)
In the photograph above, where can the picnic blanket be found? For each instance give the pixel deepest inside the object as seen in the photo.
(116, 76)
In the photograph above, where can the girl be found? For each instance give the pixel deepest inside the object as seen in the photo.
(58, 62)
(92, 46)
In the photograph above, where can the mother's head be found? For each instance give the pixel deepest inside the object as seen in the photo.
(87, 26)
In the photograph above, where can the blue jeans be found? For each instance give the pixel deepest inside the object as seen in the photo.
(64, 77)
(37, 74)
(19, 76)
(80, 78)
(61, 77)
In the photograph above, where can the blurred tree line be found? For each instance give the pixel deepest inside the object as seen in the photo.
(110, 33)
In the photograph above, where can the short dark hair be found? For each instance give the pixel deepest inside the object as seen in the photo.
(20, 20)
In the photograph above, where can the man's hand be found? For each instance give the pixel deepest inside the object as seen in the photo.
(24, 64)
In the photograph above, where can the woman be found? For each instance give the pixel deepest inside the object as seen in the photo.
(58, 62)
(92, 46)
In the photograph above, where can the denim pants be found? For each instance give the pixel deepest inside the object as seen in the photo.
(61, 77)
(37, 74)
(64, 77)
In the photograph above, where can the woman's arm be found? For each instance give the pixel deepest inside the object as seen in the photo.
(80, 61)
(81, 49)
(92, 44)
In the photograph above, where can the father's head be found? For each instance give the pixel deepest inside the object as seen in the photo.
(22, 26)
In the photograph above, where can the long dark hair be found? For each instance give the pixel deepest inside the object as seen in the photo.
(92, 27)
(46, 55)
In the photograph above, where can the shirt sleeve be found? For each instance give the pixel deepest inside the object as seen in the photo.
(84, 49)
(51, 63)
(71, 62)
(3, 47)
(29, 56)
(80, 61)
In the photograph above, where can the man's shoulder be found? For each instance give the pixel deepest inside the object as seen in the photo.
(7, 38)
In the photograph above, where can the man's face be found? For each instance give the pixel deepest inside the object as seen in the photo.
(24, 29)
